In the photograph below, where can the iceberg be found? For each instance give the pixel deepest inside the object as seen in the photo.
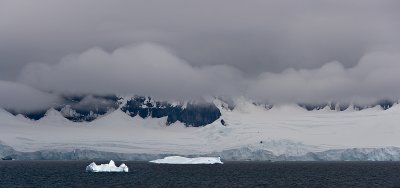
(110, 167)
(185, 160)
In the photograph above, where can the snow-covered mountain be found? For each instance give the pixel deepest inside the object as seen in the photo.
(141, 128)
(86, 108)
(80, 108)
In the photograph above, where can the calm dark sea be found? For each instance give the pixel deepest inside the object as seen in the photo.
(230, 174)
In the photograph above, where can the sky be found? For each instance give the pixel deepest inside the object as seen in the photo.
(276, 51)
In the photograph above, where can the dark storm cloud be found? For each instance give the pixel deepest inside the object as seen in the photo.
(227, 46)
(253, 36)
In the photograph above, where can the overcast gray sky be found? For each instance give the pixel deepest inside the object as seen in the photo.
(263, 49)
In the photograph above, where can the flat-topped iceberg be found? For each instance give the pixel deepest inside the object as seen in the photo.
(110, 167)
(185, 160)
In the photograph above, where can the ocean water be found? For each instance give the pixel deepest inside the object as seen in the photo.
(230, 174)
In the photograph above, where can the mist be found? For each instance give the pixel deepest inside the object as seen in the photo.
(22, 98)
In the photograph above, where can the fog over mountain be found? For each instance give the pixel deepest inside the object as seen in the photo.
(24, 98)
(268, 51)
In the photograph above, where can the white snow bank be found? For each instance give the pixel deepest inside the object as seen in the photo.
(184, 160)
(110, 167)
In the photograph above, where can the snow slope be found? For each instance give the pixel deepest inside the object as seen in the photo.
(287, 131)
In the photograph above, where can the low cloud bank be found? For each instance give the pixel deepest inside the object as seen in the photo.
(145, 69)
(20, 97)
(152, 70)
(376, 76)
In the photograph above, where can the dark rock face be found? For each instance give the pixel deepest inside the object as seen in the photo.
(194, 114)
(78, 108)
(199, 115)
(384, 103)
(7, 158)
(310, 107)
(88, 107)
(223, 122)
(34, 115)
(332, 106)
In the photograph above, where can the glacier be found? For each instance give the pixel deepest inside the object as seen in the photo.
(185, 160)
(252, 132)
(110, 167)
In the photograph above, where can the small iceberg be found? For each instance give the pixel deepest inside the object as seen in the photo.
(185, 160)
(110, 167)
